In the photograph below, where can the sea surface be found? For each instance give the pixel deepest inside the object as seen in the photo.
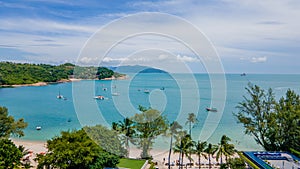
(175, 95)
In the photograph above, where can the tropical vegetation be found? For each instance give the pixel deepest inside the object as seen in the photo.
(10, 154)
(275, 125)
(28, 73)
(76, 149)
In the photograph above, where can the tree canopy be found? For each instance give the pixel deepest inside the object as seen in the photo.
(26, 73)
(75, 150)
(274, 125)
(10, 154)
(107, 139)
(8, 125)
(149, 125)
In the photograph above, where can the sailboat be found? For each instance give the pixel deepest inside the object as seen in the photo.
(59, 96)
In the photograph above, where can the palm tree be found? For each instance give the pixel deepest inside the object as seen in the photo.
(184, 147)
(174, 129)
(191, 119)
(199, 150)
(127, 130)
(178, 144)
(211, 150)
(225, 148)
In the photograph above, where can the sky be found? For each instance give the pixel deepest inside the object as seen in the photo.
(249, 36)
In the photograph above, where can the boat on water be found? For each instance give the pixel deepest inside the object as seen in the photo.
(162, 88)
(99, 97)
(59, 96)
(243, 74)
(38, 128)
(211, 109)
(146, 91)
(115, 94)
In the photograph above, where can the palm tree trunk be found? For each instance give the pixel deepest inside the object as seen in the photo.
(170, 151)
(221, 158)
(209, 163)
(127, 146)
(199, 161)
(182, 155)
(179, 159)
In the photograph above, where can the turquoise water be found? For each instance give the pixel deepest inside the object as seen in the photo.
(40, 107)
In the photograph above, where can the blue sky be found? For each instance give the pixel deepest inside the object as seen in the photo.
(249, 36)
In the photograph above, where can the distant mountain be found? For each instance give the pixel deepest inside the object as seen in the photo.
(136, 69)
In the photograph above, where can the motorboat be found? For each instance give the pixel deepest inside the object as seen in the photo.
(211, 109)
(99, 97)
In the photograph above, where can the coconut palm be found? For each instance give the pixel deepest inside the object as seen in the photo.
(190, 120)
(127, 130)
(178, 144)
(211, 150)
(174, 130)
(200, 150)
(184, 148)
(225, 148)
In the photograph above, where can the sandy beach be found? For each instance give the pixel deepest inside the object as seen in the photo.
(34, 147)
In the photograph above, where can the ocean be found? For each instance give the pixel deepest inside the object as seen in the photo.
(174, 95)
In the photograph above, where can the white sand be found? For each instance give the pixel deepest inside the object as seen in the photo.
(36, 147)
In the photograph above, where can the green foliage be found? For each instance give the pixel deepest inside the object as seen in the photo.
(107, 139)
(149, 124)
(75, 150)
(104, 72)
(236, 163)
(25, 73)
(199, 150)
(9, 126)
(295, 152)
(10, 155)
(274, 125)
(126, 130)
(185, 147)
(287, 122)
(225, 148)
(131, 163)
(210, 150)
(190, 120)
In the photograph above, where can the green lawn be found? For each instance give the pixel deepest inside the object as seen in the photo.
(131, 163)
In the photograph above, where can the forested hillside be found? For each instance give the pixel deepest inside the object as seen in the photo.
(26, 73)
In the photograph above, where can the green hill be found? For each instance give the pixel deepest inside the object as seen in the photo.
(26, 73)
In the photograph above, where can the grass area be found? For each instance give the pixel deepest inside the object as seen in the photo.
(131, 163)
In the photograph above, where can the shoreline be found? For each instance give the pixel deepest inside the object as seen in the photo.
(60, 81)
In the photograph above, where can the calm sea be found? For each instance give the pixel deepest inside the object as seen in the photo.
(174, 95)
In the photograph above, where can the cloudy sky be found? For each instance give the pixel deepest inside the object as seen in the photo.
(249, 35)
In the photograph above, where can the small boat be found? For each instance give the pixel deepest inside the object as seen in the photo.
(146, 91)
(115, 94)
(38, 128)
(243, 74)
(59, 96)
(99, 97)
(162, 88)
(211, 109)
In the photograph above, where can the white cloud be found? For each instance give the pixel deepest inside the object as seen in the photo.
(258, 59)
